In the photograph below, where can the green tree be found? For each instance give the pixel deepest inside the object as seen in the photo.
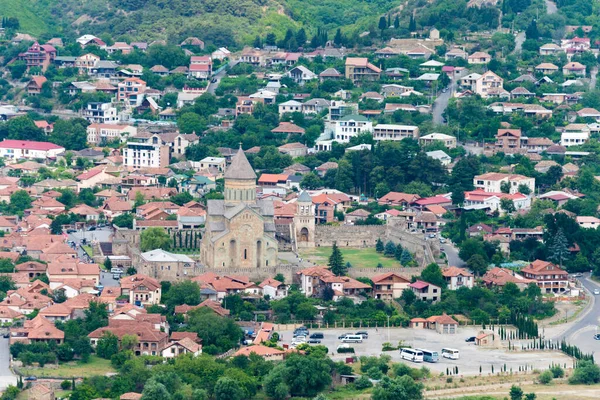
(124, 221)
(17, 69)
(184, 292)
(20, 200)
(433, 274)
(382, 24)
(218, 334)
(505, 187)
(155, 391)
(545, 377)
(477, 264)
(406, 257)
(311, 181)
(154, 238)
(399, 252)
(274, 383)
(524, 189)
(379, 246)
(507, 205)
(515, 393)
(390, 249)
(399, 388)
(559, 249)
(107, 263)
(306, 376)
(336, 261)
(108, 345)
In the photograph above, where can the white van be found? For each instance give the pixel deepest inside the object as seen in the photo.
(413, 355)
(352, 339)
(452, 354)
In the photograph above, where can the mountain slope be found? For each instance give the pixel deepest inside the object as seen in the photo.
(222, 22)
(30, 21)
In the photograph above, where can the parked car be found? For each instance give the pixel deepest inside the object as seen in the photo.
(92, 228)
(431, 235)
(364, 334)
(313, 341)
(317, 335)
(442, 240)
(31, 378)
(71, 230)
(343, 335)
(596, 291)
(470, 339)
(597, 336)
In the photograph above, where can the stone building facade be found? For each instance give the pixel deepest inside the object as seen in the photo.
(240, 230)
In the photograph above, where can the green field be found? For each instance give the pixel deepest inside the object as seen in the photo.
(96, 366)
(358, 257)
(30, 21)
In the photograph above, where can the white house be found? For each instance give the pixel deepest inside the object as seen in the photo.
(290, 107)
(457, 278)
(574, 134)
(588, 222)
(17, 149)
(492, 182)
(351, 126)
(274, 289)
(441, 156)
(481, 200)
(183, 346)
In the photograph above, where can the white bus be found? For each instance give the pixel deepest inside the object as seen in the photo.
(452, 354)
(413, 355)
(352, 339)
(429, 356)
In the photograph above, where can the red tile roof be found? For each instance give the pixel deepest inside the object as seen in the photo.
(28, 145)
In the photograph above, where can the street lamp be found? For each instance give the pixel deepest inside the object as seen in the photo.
(388, 317)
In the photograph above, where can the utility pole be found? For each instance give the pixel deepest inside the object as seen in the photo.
(388, 317)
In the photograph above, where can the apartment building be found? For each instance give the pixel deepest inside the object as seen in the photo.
(149, 152)
(395, 132)
(100, 113)
(488, 84)
(131, 91)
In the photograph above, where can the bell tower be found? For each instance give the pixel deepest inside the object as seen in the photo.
(304, 221)
(240, 180)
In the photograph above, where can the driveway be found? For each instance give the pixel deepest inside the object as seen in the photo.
(6, 375)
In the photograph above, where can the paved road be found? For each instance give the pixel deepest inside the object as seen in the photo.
(212, 87)
(519, 39)
(6, 375)
(593, 76)
(440, 104)
(581, 333)
(100, 235)
(550, 7)
(452, 254)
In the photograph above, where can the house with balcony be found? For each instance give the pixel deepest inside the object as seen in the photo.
(457, 277)
(351, 126)
(360, 69)
(389, 286)
(488, 84)
(549, 277)
(131, 91)
(150, 341)
(479, 57)
(38, 55)
(447, 140)
(426, 291)
(509, 141)
(100, 113)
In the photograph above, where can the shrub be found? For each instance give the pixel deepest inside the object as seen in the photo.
(449, 379)
(586, 373)
(545, 377)
(557, 371)
(65, 385)
(363, 383)
(345, 350)
(375, 373)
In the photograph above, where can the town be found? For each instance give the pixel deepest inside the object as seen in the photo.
(409, 211)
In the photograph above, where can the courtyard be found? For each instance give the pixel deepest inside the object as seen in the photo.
(364, 257)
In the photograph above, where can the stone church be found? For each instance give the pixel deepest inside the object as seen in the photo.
(240, 230)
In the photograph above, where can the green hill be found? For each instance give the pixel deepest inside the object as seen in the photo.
(31, 22)
(221, 22)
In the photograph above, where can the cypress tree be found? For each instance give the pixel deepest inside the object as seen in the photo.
(336, 261)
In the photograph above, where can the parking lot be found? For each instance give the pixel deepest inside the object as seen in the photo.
(471, 356)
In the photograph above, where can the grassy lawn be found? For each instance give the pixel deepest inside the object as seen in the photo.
(358, 257)
(96, 366)
(88, 250)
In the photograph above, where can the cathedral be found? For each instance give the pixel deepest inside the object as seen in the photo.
(240, 230)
